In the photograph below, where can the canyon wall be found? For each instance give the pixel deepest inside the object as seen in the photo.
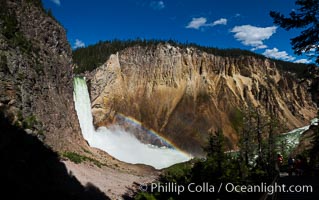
(36, 88)
(185, 94)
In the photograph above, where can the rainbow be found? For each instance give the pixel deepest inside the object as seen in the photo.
(152, 132)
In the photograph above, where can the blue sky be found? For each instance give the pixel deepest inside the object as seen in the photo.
(244, 24)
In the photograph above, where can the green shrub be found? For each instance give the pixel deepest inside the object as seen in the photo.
(144, 196)
(74, 157)
(37, 3)
(86, 151)
(41, 132)
(20, 115)
(29, 122)
(4, 63)
(77, 158)
(236, 119)
(9, 25)
(180, 172)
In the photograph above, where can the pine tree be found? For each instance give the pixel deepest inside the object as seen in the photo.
(216, 149)
(246, 139)
(273, 130)
(306, 17)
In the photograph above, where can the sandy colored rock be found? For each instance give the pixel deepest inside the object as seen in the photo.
(184, 94)
(112, 182)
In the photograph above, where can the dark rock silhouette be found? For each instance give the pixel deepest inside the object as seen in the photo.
(31, 170)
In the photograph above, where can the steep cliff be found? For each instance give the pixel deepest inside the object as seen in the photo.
(36, 91)
(185, 94)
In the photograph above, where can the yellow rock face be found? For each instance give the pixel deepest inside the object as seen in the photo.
(185, 94)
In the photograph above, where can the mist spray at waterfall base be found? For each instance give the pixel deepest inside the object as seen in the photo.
(116, 141)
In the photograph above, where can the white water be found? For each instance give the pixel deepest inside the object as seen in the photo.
(116, 141)
(292, 138)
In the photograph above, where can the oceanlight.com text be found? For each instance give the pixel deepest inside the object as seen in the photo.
(224, 187)
(270, 189)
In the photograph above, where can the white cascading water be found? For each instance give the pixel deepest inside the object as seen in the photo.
(116, 141)
(292, 138)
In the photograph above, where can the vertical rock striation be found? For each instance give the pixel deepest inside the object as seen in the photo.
(185, 94)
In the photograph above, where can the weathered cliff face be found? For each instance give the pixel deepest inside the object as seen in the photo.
(36, 89)
(184, 94)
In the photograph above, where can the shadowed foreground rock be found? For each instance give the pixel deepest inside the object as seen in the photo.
(30, 170)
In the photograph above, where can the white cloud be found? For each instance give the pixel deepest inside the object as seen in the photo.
(196, 23)
(275, 53)
(57, 2)
(78, 43)
(157, 5)
(305, 61)
(253, 36)
(221, 21)
(259, 47)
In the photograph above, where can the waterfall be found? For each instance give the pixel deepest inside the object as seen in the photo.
(116, 141)
(83, 108)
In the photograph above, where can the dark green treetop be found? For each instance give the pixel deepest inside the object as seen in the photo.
(306, 17)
